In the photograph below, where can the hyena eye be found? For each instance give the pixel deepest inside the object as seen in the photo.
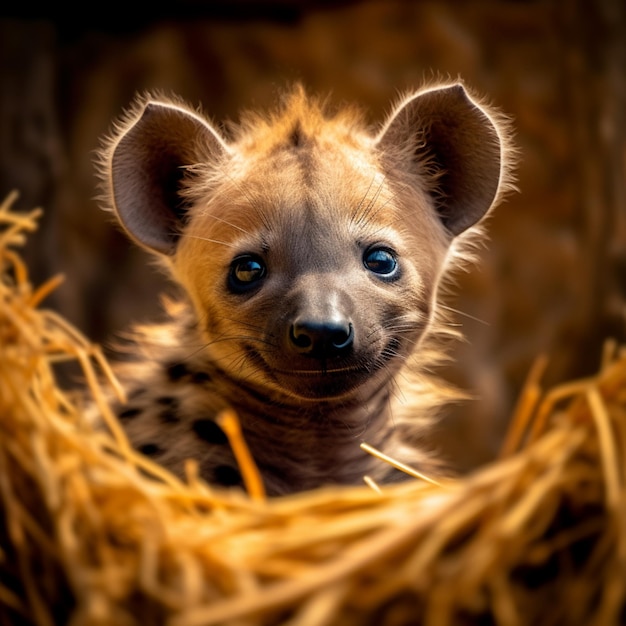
(245, 272)
(381, 261)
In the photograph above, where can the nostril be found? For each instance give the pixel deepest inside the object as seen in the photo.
(300, 337)
(343, 338)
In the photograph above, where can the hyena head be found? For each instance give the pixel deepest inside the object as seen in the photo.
(311, 247)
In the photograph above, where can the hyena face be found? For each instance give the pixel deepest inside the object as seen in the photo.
(302, 267)
(310, 248)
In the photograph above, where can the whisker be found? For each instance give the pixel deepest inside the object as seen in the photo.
(395, 390)
(372, 211)
(355, 213)
(366, 211)
(245, 323)
(221, 243)
(224, 338)
(467, 315)
(235, 226)
(255, 202)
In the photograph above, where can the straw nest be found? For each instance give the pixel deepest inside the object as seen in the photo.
(93, 533)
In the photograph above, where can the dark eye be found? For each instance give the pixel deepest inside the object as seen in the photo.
(380, 261)
(245, 272)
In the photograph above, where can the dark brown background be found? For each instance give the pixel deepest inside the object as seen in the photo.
(553, 277)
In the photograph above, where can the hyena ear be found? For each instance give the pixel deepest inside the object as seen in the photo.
(446, 136)
(144, 166)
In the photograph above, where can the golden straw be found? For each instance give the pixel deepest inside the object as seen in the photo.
(93, 533)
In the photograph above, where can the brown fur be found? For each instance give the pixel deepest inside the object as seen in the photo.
(318, 351)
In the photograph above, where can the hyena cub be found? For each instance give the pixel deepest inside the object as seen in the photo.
(310, 250)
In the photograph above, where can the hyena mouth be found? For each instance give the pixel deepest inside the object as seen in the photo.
(324, 370)
(318, 380)
(322, 385)
(326, 381)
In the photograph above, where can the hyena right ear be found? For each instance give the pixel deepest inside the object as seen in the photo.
(443, 136)
(145, 163)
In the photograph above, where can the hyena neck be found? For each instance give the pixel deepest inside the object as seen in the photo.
(315, 443)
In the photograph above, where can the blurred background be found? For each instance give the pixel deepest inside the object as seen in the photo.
(552, 278)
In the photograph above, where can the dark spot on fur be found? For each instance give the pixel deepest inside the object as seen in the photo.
(176, 371)
(227, 476)
(209, 431)
(200, 378)
(130, 412)
(169, 416)
(150, 449)
(168, 401)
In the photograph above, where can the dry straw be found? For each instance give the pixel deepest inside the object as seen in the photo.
(92, 533)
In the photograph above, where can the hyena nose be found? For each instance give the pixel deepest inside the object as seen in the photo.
(321, 340)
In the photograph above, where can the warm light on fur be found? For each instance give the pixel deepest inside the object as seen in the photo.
(324, 348)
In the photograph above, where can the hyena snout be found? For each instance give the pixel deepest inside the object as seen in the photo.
(321, 326)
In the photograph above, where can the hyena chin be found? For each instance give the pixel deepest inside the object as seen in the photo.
(309, 250)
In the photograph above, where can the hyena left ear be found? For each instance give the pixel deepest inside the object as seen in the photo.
(145, 163)
(443, 135)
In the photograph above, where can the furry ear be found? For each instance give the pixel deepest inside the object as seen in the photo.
(447, 137)
(144, 166)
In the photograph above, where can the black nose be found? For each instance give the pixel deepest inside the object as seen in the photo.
(321, 340)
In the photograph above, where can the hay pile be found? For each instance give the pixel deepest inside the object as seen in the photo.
(93, 534)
